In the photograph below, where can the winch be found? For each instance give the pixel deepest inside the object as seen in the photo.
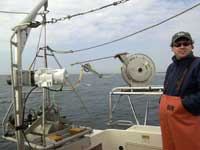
(137, 69)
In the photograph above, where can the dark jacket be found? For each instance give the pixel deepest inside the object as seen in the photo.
(190, 88)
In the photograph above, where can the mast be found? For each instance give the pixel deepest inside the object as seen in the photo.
(18, 40)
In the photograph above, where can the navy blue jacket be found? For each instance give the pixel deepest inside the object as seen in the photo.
(190, 88)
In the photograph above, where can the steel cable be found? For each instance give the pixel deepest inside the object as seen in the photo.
(129, 35)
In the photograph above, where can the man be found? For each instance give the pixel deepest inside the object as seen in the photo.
(180, 102)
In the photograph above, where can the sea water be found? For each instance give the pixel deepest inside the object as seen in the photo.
(88, 104)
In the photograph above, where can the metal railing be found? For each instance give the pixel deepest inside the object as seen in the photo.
(127, 91)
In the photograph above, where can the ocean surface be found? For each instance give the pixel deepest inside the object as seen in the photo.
(87, 106)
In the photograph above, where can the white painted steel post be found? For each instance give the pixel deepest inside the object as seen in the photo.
(21, 34)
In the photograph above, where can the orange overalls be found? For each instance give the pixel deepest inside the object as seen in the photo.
(180, 129)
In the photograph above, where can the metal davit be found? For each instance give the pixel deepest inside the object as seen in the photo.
(45, 129)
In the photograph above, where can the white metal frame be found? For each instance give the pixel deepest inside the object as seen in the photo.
(18, 40)
(148, 90)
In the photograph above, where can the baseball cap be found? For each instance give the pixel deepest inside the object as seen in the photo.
(181, 34)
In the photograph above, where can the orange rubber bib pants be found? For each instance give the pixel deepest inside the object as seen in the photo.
(180, 129)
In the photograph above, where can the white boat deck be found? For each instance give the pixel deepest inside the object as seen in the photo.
(134, 138)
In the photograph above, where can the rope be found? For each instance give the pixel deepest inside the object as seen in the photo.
(80, 98)
(77, 84)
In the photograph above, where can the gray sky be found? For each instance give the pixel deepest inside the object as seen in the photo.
(102, 26)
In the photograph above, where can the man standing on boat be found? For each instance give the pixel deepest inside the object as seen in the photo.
(180, 102)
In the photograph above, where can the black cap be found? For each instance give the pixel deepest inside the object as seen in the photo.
(181, 34)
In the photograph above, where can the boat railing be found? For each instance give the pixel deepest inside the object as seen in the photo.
(128, 91)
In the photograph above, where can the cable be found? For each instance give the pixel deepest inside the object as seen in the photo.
(129, 35)
(140, 31)
(92, 60)
(38, 50)
(25, 100)
(54, 20)
(61, 52)
(13, 12)
(16, 12)
(81, 100)
(55, 90)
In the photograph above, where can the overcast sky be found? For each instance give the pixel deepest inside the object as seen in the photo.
(99, 27)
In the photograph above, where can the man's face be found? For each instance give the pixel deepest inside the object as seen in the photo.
(182, 48)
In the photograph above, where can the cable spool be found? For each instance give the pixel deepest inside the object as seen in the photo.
(137, 69)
